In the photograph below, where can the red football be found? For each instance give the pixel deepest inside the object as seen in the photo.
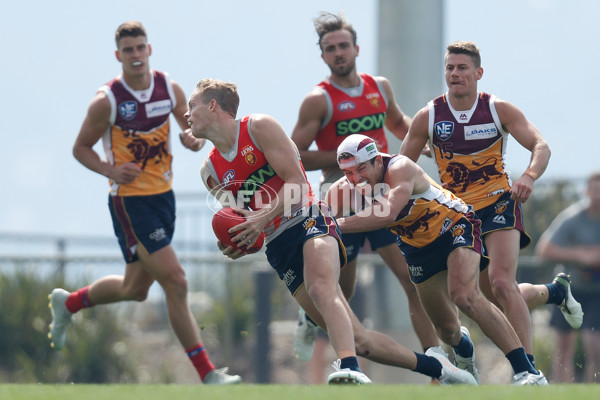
(227, 218)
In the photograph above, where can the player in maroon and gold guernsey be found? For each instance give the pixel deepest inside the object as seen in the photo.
(440, 238)
(138, 133)
(347, 103)
(467, 131)
(256, 168)
(131, 115)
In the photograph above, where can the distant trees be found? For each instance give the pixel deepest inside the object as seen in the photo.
(91, 354)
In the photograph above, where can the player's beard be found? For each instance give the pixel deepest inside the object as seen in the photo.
(344, 70)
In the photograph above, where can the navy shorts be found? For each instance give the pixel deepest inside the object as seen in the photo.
(354, 241)
(425, 262)
(149, 220)
(284, 253)
(504, 214)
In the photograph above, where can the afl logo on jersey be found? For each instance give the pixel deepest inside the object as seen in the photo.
(228, 177)
(128, 110)
(444, 129)
(346, 106)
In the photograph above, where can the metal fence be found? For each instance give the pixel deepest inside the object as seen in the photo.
(83, 259)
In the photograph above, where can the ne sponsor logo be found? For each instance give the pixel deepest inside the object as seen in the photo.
(444, 129)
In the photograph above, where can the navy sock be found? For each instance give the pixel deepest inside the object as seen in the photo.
(519, 361)
(428, 365)
(555, 295)
(350, 363)
(465, 347)
(531, 359)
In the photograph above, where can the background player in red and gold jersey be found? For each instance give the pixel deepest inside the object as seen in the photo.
(131, 115)
(345, 103)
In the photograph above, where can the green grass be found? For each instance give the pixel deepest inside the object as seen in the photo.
(295, 392)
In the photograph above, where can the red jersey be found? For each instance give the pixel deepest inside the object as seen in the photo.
(245, 173)
(361, 109)
(139, 132)
(469, 148)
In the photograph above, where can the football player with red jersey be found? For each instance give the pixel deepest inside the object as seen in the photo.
(345, 103)
(257, 167)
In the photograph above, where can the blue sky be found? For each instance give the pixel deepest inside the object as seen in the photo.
(540, 55)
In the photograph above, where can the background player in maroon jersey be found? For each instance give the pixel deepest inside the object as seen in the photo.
(346, 103)
(467, 131)
(131, 114)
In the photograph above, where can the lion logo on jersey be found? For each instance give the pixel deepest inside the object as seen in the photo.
(249, 155)
(461, 175)
(458, 230)
(144, 152)
(374, 99)
(420, 222)
(250, 158)
(309, 223)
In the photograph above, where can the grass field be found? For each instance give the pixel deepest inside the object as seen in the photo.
(295, 392)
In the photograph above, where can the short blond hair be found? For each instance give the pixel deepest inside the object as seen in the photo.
(224, 93)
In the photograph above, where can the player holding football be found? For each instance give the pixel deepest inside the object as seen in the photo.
(254, 159)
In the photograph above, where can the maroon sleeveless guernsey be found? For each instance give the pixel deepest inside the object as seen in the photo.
(139, 132)
(469, 148)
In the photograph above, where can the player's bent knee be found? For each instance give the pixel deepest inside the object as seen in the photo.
(139, 296)
(136, 293)
(464, 301)
(503, 289)
(361, 343)
(175, 286)
(318, 292)
(447, 331)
